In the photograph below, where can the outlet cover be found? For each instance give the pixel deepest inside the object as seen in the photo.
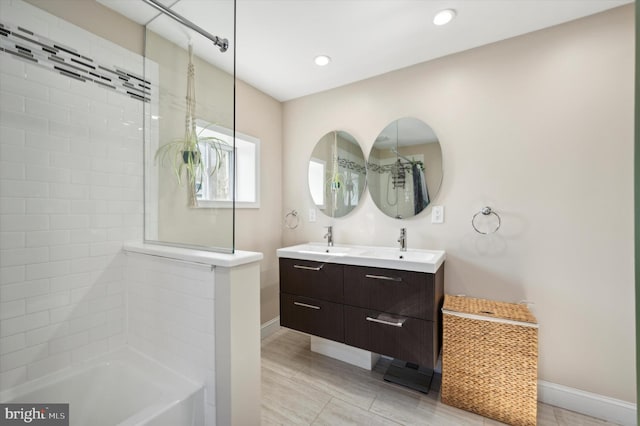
(437, 214)
(312, 215)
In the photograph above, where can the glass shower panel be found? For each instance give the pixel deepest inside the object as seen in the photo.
(189, 128)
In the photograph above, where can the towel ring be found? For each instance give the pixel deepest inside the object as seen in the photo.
(486, 211)
(291, 220)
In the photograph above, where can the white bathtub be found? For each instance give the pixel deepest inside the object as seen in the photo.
(121, 388)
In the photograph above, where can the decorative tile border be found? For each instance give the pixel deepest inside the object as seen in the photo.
(351, 165)
(36, 49)
(393, 167)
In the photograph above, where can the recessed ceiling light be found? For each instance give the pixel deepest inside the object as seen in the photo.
(322, 60)
(444, 17)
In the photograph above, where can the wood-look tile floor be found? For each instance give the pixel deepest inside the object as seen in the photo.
(300, 387)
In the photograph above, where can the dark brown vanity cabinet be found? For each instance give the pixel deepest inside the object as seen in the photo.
(313, 316)
(386, 311)
(311, 296)
(394, 313)
(405, 338)
(405, 293)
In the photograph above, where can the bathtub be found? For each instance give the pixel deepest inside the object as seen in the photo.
(122, 388)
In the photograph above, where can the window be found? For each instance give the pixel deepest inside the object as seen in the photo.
(316, 181)
(216, 189)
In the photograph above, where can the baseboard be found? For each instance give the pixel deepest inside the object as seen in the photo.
(269, 327)
(594, 405)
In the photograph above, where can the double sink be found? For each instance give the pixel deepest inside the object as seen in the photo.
(417, 260)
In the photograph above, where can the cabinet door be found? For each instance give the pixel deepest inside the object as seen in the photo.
(405, 293)
(311, 279)
(313, 316)
(405, 338)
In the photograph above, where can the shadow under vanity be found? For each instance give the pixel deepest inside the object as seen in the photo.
(347, 299)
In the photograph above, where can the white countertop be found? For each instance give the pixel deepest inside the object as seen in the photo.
(417, 260)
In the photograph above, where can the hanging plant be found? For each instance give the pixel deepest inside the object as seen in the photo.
(336, 179)
(184, 155)
(335, 182)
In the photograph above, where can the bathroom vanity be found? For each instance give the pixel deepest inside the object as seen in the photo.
(380, 300)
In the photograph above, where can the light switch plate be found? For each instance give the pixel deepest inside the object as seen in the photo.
(312, 215)
(437, 214)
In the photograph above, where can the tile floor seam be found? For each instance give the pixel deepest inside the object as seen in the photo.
(360, 408)
(380, 415)
(322, 409)
(385, 417)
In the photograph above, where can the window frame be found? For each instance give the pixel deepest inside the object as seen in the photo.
(227, 134)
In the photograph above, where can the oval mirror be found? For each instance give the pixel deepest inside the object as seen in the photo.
(337, 173)
(404, 171)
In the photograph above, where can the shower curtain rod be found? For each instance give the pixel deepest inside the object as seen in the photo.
(222, 43)
(401, 156)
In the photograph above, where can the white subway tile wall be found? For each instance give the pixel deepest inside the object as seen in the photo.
(70, 194)
(71, 157)
(171, 317)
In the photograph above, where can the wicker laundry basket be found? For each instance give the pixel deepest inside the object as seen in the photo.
(490, 359)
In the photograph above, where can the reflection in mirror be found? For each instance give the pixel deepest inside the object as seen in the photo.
(404, 171)
(337, 174)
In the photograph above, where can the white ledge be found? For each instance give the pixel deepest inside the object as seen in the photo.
(225, 260)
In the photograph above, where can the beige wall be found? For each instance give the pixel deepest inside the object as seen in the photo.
(260, 229)
(522, 124)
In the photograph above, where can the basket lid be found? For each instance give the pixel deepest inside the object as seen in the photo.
(488, 308)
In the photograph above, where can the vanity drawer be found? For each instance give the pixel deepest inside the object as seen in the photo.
(313, 316)
(404, 338)
(312, 279)
(405, 293)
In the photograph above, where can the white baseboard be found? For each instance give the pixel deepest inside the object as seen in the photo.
(594, 405)
(269, 327)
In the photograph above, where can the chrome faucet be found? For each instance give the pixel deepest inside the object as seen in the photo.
(403, 239)
(329, 236)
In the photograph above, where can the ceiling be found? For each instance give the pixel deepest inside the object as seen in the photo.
(277, 40)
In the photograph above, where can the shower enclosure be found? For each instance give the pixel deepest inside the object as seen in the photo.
(189, 127)
(119, 337)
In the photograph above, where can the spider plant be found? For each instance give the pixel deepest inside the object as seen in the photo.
(184, 155)
(335, 182)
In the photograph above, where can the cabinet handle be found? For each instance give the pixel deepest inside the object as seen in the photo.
(382, 277)
(304, 305)
(399, 323)
(309, 268)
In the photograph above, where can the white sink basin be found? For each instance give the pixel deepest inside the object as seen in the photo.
(409, 255)
(381, 257)
(324, 250)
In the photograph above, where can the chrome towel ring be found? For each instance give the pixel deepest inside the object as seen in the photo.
(291, 220)
(486, 211)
